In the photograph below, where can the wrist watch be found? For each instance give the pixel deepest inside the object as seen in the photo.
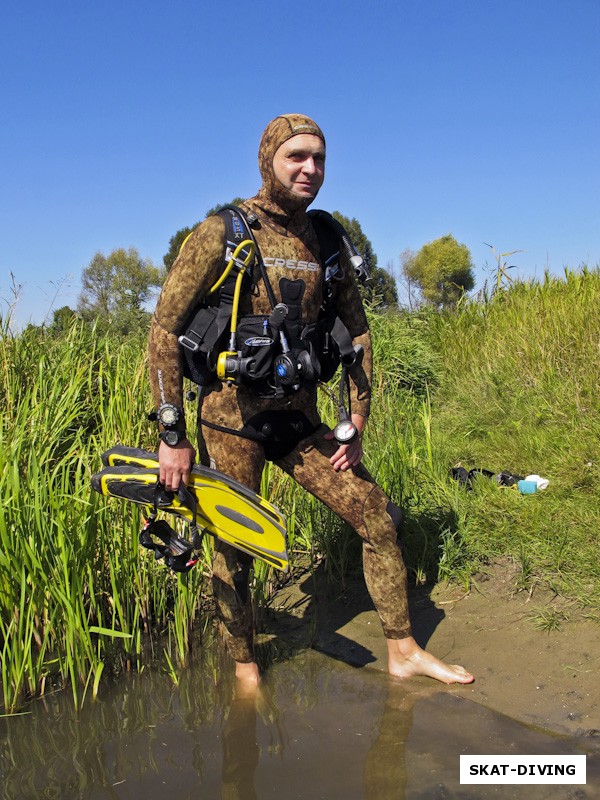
(172, 437)
(168, 415)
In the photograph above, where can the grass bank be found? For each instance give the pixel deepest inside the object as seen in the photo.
(519, 392)
(75, 594)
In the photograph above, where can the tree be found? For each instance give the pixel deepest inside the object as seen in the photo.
(62, 319)
(381, 287)
(115, 289)
(179, 238)
(410, 294)
(442, 270)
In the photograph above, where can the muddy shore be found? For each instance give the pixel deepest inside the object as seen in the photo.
(535, 658)
(329, 722)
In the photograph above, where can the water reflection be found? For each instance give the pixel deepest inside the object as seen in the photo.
(241, 752)
(318, 729)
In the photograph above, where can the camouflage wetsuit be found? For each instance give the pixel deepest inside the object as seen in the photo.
(290, 249)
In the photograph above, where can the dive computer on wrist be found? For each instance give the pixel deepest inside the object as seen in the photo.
(171, 437)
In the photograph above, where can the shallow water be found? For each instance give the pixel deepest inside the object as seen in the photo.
(319, 729)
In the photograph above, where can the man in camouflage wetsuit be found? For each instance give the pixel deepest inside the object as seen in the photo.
(292, 166)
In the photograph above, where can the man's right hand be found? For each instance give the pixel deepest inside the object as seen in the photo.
(175, 464)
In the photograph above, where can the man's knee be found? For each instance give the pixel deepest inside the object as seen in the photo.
(379, 508)
(395, 515)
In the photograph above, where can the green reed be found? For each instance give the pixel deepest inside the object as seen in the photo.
(76, 593)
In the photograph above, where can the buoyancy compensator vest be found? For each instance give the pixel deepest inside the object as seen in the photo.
(274, 354)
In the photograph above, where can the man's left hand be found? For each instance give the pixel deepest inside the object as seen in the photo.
(349, 455)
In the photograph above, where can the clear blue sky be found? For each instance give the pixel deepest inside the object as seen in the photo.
(125, 121)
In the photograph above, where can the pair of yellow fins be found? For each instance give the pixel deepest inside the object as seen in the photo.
(223, 507)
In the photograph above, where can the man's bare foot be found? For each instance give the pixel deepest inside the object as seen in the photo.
(407, 660)
(248, 675)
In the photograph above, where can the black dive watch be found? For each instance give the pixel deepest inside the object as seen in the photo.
(172, 437)
(168, 415)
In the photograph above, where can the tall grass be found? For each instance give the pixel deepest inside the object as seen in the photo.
(520, 393)
(505, 384)
(75, 591)
(509, 383)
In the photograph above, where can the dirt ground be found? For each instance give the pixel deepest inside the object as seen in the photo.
(525, 666)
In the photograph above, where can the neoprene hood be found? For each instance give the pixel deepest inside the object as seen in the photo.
(278, 131)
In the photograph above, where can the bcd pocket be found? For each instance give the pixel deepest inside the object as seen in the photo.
(201, 342)
(256, 346)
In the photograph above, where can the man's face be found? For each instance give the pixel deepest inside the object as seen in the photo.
(299, 164)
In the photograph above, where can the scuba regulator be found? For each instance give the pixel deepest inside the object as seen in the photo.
(228, 366)
(288, 369)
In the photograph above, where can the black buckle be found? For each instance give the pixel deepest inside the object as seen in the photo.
(177, 552)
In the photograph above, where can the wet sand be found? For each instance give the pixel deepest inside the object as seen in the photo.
(546, 678)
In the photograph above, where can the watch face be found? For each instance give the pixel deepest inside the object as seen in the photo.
(168, 415)
(171, 438)
(345, 432)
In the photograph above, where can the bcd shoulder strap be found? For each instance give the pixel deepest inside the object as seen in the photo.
(333, 237)
(208, 324)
